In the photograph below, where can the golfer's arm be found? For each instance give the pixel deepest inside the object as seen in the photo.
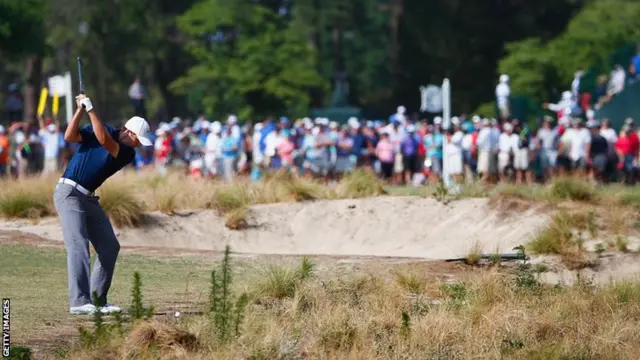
(72, 134)
(104, 138)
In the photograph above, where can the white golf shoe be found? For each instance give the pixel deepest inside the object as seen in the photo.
(86, 309)
(110, 309)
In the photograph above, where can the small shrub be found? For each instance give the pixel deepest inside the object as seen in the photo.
(24, 204)
(237, 219)
(121, 205)
(137, 310)
(622, 243)
(600, 248)
(280, 282)
(474, 255)
(361, 183)
(154, 339)
(567, 188)
(225, 311)
(304, 189)
(230, 197)
(411, 282)
(555, 238)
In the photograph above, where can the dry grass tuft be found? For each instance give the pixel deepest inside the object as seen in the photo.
(556, 237)
(25, 203)
(154, 339)
(361, 183)
(237, 219)
(474, 254)
(121, 205)
(569, 188)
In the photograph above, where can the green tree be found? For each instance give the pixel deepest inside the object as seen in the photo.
(267, 69)
(538, 67)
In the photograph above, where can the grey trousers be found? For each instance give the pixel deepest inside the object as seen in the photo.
(84, 221)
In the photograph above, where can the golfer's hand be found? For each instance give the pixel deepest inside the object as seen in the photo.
(86, 103)
(79, 99)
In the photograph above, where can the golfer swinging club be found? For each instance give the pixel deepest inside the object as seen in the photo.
(102, 153)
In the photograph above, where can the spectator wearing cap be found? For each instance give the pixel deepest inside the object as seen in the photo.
(332, 134)
(488, 145)
(625, 154)
(598, 153)
(357, 134)
(577, 140)
(433, 142)
(4, 153)
(503, 91)
(368, 158)
(547, 144)
(385, 152)
(633, 136)
(521, 158)
(285, 149)
(230, 148)
(409, 150)
(162, 149)
(314, 147)
(271, 145)
(257, 154)
(344, 152)
(508, 147)
(454, 151)
(50, 135)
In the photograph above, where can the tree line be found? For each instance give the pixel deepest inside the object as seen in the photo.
(258, 58)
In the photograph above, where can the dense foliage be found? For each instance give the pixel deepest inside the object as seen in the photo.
(281, 57)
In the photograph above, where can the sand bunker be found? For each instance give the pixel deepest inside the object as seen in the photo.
(383, 226)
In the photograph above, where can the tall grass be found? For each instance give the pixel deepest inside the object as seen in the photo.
(121, 205)
(484, 315)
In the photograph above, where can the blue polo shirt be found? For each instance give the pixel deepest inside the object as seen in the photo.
(92, 164)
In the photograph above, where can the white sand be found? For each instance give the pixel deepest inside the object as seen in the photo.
(383, 226)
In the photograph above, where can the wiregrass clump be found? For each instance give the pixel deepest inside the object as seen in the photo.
(122, 205)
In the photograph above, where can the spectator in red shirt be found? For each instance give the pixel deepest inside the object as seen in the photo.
(624, 150)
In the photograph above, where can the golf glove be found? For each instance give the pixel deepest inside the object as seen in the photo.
(86, 103)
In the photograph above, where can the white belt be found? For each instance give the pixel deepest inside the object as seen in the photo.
(76, 186)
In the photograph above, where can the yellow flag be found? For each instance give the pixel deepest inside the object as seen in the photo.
(56, 104)
(43, 100)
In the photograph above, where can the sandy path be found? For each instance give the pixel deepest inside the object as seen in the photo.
(383, 226)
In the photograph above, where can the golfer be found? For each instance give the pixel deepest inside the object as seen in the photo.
(103, 151)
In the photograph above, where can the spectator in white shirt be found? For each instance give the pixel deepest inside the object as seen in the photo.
(137, 97)
(508, 147)
(487, 148)
(454, 151)
(616, 84)
(609, 134)
(546, 142)
(503, 91)
(213, 150)
(50, 136)
(576, 140)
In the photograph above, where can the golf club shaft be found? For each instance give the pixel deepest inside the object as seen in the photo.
(81, 83)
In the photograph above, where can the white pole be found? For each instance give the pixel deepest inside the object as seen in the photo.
(446, 122)
(68, 94)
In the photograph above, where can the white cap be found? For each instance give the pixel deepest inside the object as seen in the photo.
(411, 128)
(486, 122)
(215, 127)
(257, 126)
(232, 119)
(1, 129)
(401, 109)
(333, 125)
(324, 121)
(315, 131)
(19, 137)
(566, 95)
(51, 127)
(140, 127)
(160, 131)
(308, 126)
(205, 124)
(507, 127)
(455, 120)
(504, 78)
(33, 138)
(475, 119)
(437, 120)
(176, 120)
